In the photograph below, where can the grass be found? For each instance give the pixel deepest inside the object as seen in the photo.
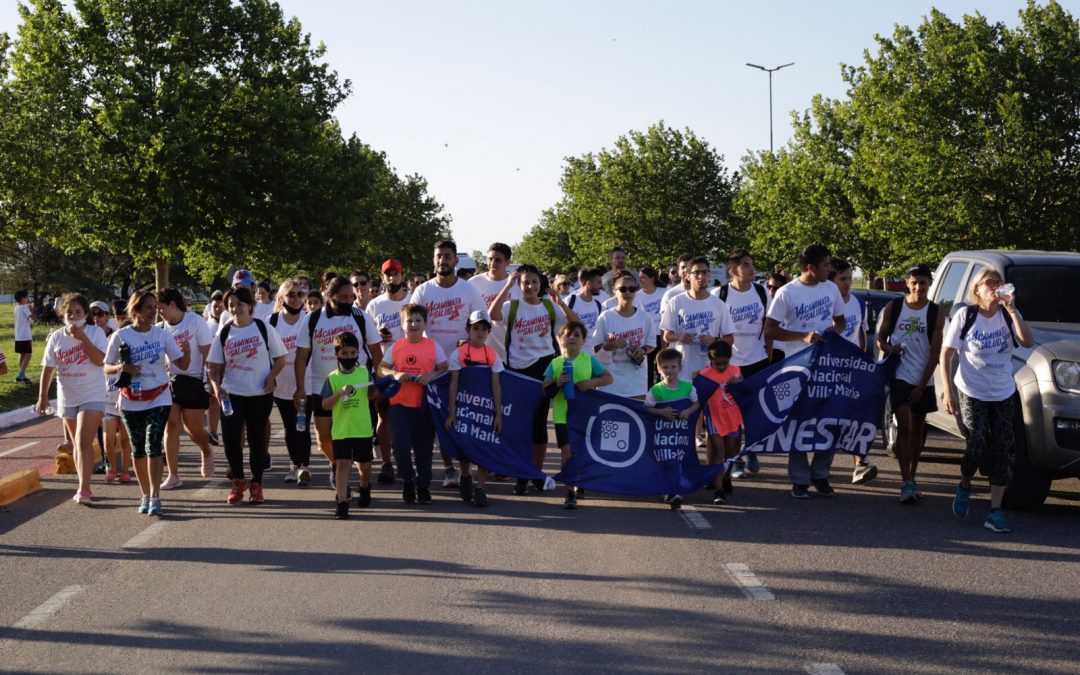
(13, 395)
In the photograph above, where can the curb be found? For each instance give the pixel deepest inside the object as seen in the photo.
(18, 485)
(21, 415)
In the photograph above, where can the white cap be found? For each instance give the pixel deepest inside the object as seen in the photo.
(98, 304)
(479, 315)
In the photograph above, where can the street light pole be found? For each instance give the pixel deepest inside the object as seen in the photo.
(770, 71)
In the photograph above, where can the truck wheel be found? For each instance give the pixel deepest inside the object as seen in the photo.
(1030, 484)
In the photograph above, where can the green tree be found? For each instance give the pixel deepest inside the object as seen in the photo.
(547, 246)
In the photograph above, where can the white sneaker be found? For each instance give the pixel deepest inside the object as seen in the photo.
(293, 475)
(450, 477)
(303, 476)
(171, 483)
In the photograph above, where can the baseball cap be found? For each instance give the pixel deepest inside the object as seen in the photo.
(98, 304)
(391, 265)
(217, 295)
(478, 316)
(243, 278)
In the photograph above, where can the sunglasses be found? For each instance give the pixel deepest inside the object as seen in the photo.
(699, 273)
(296, 294)
(626, 289)
(361, 284)
(97, 312)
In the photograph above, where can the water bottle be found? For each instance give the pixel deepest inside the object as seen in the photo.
(1006, 290)
(701, 345)
(136, 387)
(301, 419)
(568, 388)
(226, 404)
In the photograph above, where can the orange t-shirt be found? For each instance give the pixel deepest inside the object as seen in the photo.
(414, 358)
(723, 412)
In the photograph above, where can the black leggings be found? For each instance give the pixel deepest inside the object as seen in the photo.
(536, 371)
(298, 443)
(254, 413)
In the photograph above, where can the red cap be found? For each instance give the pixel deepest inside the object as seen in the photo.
(392, 265)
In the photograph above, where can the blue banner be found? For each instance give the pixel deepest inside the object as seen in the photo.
(619, 448)
(472, 438)
(830, 396)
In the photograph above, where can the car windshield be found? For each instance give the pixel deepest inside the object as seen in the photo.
(1044, 292)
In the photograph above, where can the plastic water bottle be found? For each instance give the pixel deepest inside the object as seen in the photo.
(701, 345)
(301, 419)
(568, 370)
(1006, 290)
(226, 404)
(136, 387)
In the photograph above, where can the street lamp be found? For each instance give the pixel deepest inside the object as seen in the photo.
(770, 71)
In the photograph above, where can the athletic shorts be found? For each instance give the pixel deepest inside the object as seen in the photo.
(72, 412)
(354, 449)
(899, 391)
(314, 404)
(189, 393)
(562, 436)
(24, 346)
(751, 369)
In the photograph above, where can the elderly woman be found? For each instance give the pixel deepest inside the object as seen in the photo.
(983, 335)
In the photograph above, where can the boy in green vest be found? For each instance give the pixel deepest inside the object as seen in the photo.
(346, 394)
(670, 388)
(588, 373)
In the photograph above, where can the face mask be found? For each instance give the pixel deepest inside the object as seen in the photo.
(394, 288)
(340, 308)
(75, 323)
(348, 364)
(293, 310)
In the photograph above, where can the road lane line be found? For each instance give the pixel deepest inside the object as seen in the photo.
(18, 448)
(694, 518)
(823, 669)
(146, 535)
(49, 607)
(749, 583)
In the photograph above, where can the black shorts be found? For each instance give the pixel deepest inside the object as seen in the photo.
(189, 393)
(899, 391)
(354, 449)
(314, 404)
(562, 436)
(24, 346)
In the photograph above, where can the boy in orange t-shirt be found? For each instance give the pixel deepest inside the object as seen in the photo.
(723, 418)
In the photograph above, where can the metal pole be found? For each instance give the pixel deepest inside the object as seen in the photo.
(770, 71)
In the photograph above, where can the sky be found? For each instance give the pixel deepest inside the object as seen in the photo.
(487, 99)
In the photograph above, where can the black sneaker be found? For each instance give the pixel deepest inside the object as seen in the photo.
(725, 484)
(537, 485)
(386, 474)
(408, 492)
(364, 500)
(479, 498)
(342, 510)
(423, 496)
(214, 440)
(571, 500)
(333, 477)
(800, 491)
(675, 502)
(579, 493)
(521, 487)
(465, 488)
(269, 463)
(719, 497)
(823, 488)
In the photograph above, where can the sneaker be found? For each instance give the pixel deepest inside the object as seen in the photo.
(738, 469)
(479, 498)
(907, 492)
(537, 485)
(229, 474)
(675, 502)
(154, 510)
(101, 467)
(268, 465)
(995, 521)
(918, 492)
(171, 483)
(752, 463)
(962, 501)
(110, 476)
(293, 474)
(423, 496)
(364, 499)
(256, 493)
(719, 498)
(386, 474)
(144, 505)
(342, 512)
(863, 473)
(333, 477)
(570, 502)
(450, 477)
(521, 486)
(303, 476)
(800, 491)
(236, 494)
(465, 488)
(725, 485)
(214, 440)
(83, 497)
(408, 492)
(207, 468)
(124, 478)
(823, 488)
(579, 492)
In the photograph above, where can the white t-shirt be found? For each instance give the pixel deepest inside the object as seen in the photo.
(748, 315)
(247, 364)
(285, 385)
(489, 288)
(455, 361)
(639, 330)
(685, 314)
(148, 351)
(803, 308)
(113, 326)
(650, 302)
(588, 312)
(612, 303)
(855, 317)
(79, 380)
(22, 323)
(263, 310)
(670, 293)
(985, 371)
(194, 331)
(386, 313)
(448, 310)
(913, 332)
(323, 361)
(532, 332)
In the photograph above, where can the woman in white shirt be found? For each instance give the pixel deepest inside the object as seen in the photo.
(627, 333)
(983, 335)
(76, 353)
(288, 320)
(116, 442)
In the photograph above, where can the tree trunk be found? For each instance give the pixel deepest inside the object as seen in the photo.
(161, 274)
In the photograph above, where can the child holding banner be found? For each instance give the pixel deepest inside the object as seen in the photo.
(475, 352)
(351, 429)
(723, 418)
(670, 388)
(576, 370)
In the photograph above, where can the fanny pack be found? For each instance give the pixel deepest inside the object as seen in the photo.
(145, 394)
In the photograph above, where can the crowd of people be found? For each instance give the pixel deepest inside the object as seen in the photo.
(136, 373)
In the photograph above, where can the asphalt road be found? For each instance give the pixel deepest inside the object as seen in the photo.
(858, 583)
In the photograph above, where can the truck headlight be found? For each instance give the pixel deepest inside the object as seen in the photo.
(1067, 376)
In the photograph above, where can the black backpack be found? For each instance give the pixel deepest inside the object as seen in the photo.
(892, 314)
(224, 335)
(972, 311)
(357, 315)
(762, 295)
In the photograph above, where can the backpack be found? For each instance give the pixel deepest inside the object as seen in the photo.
(514, 304)
(892, 314)
(764, 301)
(575, 296)
(224, 335)
(313, 321)
(971, 311)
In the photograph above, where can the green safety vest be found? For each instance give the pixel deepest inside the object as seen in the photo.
(352, 418)
(582, 371)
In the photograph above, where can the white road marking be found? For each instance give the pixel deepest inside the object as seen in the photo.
(694, 518)
(49, 607)
(749, 583)
(146, 535)
(18, 448)
(823, 669)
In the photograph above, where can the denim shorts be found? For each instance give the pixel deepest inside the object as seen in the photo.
(70, 412)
